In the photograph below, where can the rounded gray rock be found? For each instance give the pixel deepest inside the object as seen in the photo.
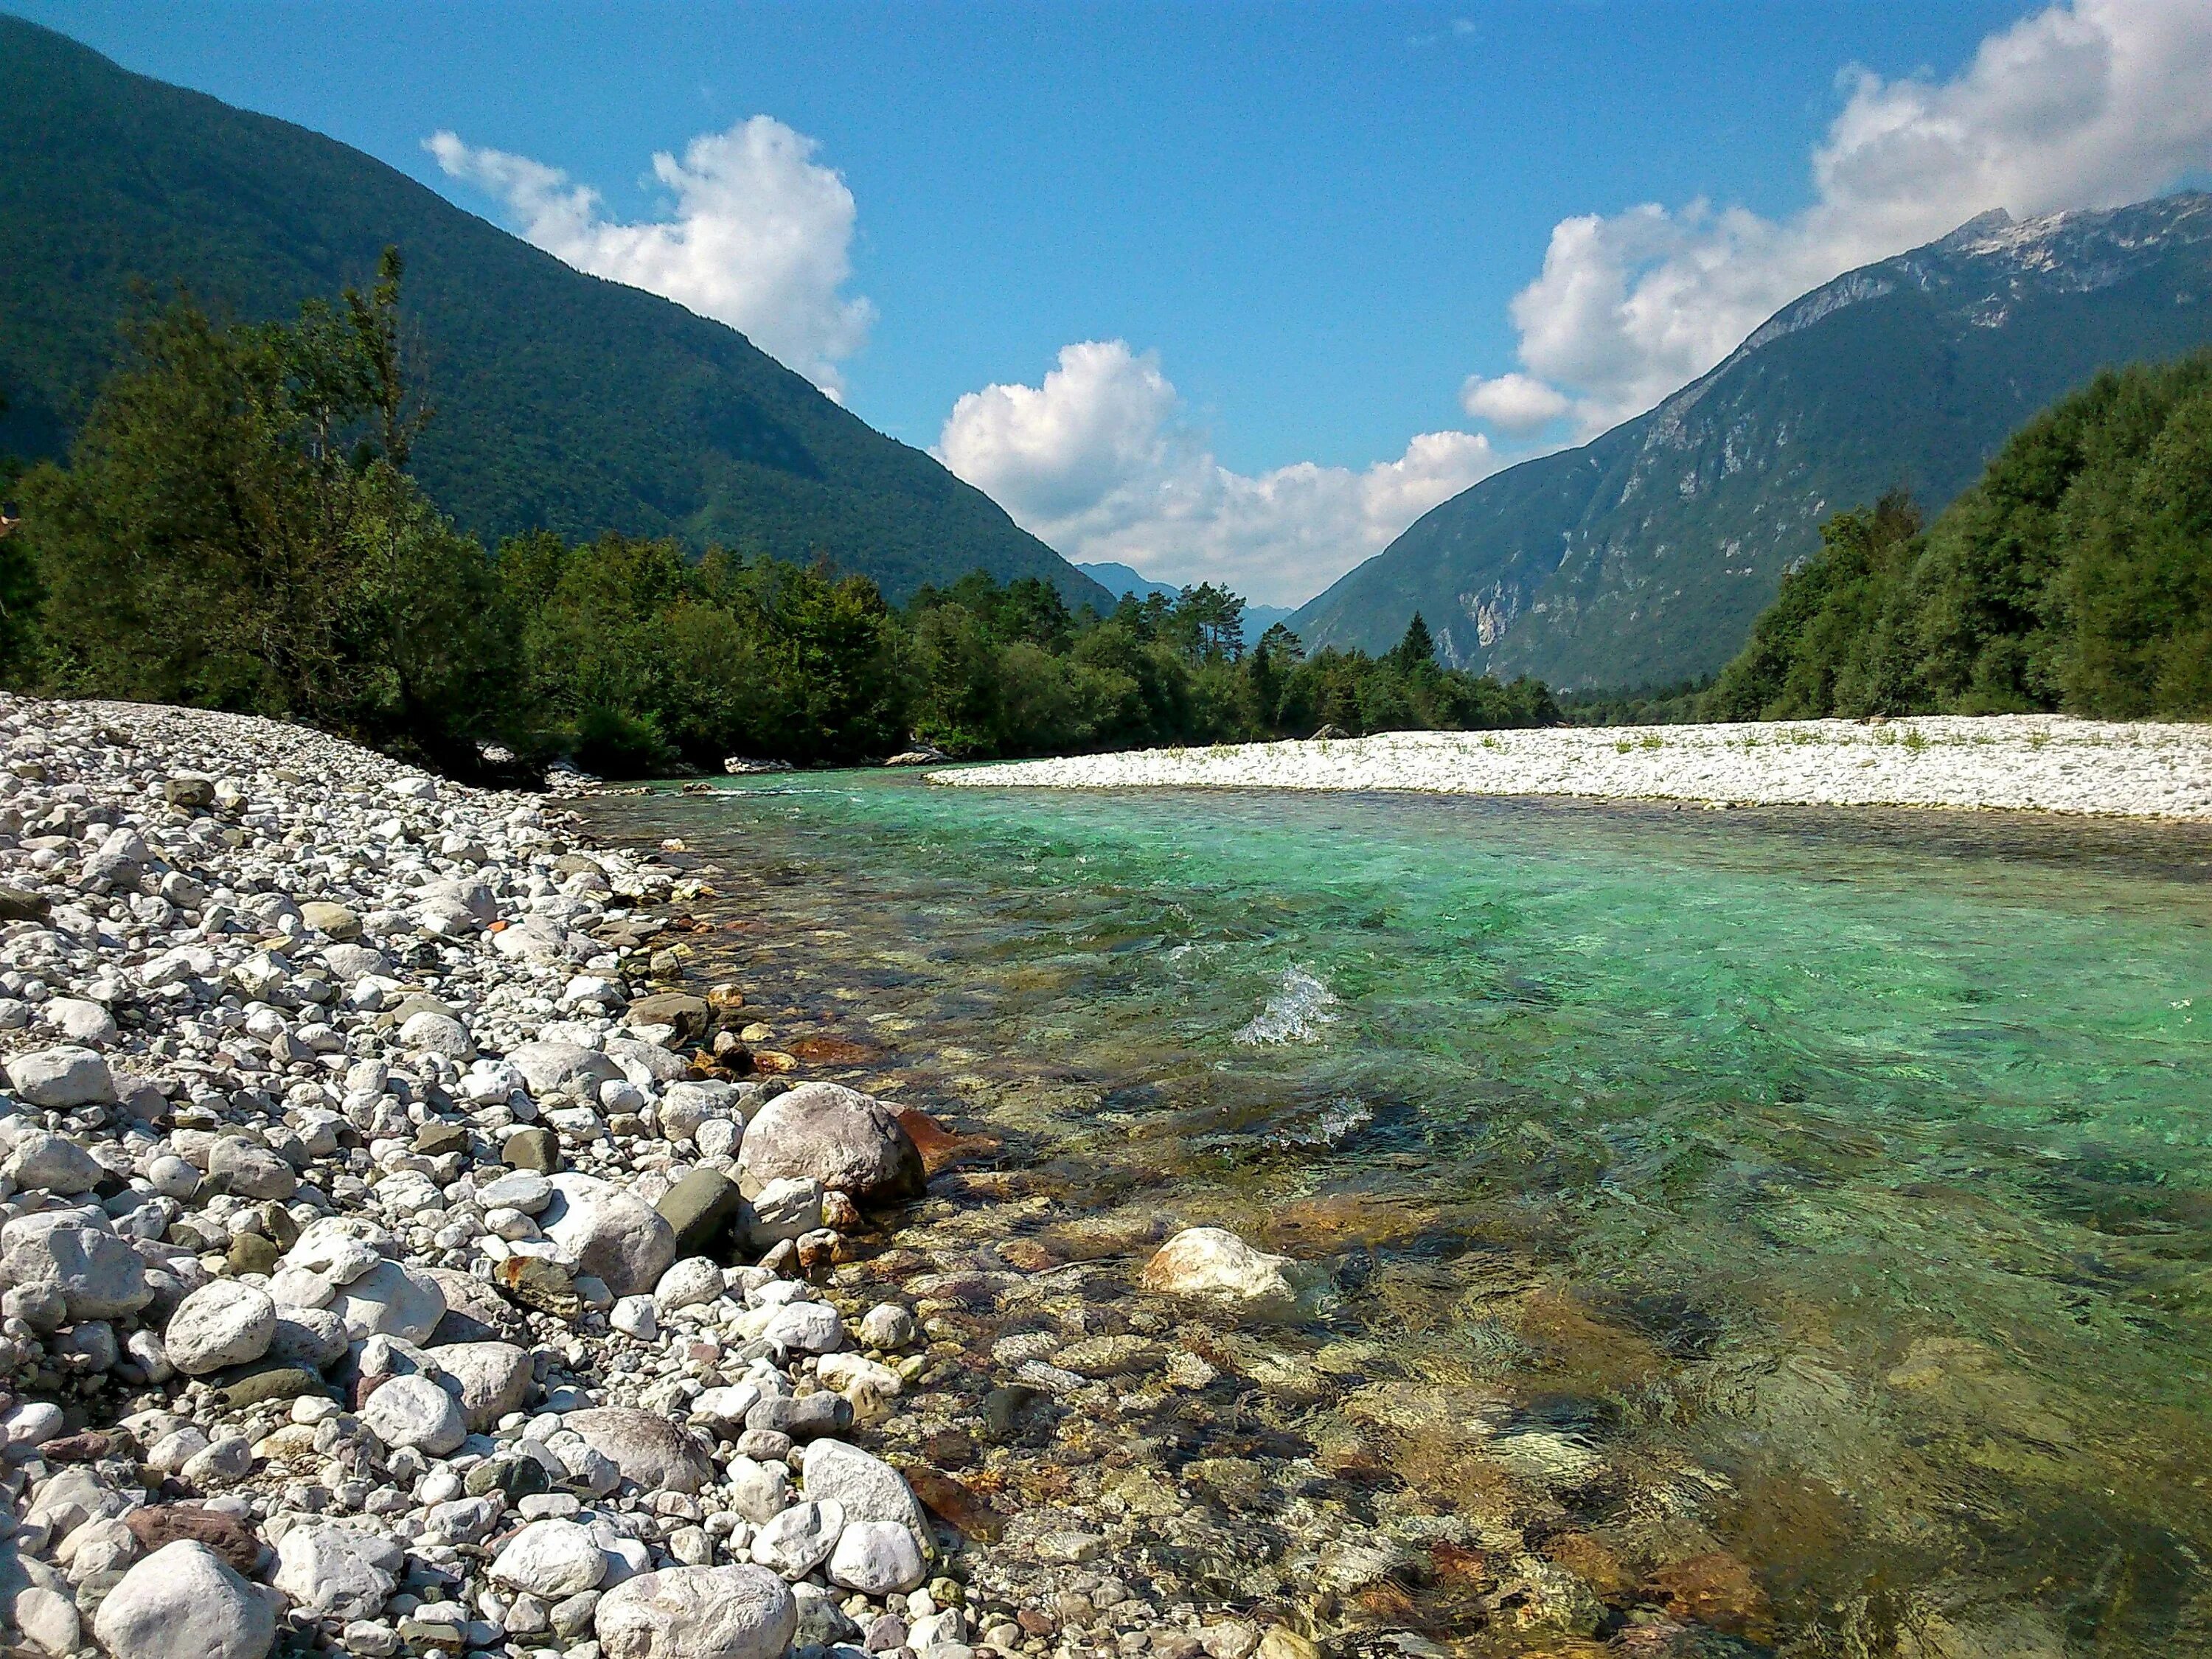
(413, 1411)
(183, 1601)
(698, 1612)
(646, 1447)
(390, 1299)
(876, 1558)
(610, 1234)
(53, 1163)
(848, 1141)
(551, 1559)
(224, 1323)
(62, 1078)
(253, 1171)
(868, 1488)
(98, 1275)
(493, 1379)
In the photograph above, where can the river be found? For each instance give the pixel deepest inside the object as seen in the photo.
(1797, 1220)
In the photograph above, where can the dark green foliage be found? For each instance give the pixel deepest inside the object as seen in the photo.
(1646, 555)
(564, 402)
(636, 658)
(2076, 575)
(1647, 705)
(1418, 646)
(234, 531)
(1165, 670)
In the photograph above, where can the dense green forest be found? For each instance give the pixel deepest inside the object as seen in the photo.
(237, 527)
(2075, 576)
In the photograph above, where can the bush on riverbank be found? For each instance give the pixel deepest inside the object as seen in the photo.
(236, 529)
(2075, 577)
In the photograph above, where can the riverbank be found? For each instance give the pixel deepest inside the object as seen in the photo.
(2014, 762)
(396, 1259)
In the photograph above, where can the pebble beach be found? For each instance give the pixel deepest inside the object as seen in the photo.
(395, 1255)
(2014, 762)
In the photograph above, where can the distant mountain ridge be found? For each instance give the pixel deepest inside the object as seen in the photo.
(563, 401)
(1645, 555)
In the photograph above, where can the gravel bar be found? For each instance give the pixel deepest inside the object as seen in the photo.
(2033, 762)
(393, 1261)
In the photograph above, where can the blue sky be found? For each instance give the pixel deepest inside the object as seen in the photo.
(1305, 226)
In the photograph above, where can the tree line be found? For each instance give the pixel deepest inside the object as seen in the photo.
(2075, 576)
(235, 527)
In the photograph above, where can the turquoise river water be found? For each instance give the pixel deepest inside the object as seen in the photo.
(1834, 1190)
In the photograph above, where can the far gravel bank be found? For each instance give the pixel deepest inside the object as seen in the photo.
(2019, 762)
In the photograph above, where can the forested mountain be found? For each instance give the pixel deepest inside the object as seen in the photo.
(2074, 575)
(1644, 557)
(563, 402)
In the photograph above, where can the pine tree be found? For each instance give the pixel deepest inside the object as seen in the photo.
(1417, 647)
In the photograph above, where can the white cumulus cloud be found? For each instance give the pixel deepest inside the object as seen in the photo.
(1098, 462)
(760, 236)
(2085, 104)
(1514, 401)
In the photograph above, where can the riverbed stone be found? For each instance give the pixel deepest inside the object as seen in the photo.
(876, 1558)
(183, 1601)
(97, 1274)
(225, 1323)
(608, 1233)
(413, 1411)
(552, 1559)
(848, 1141)
(698, 1612)
(53, 1163)
(1214, 1263)
(700, 1208)
(390, 1299)
(62, 1078)
(646, 1447)
(864, 1486)
(330, 1570)
(490, 1379)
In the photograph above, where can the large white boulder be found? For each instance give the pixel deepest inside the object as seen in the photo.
(698, 1612)
(224, 1323)
(183, 1601)
(848, 1141)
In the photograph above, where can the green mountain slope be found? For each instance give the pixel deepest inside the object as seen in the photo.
(1646, 555)
(563, 401)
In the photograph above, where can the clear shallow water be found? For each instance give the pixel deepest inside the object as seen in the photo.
(1831, 1194)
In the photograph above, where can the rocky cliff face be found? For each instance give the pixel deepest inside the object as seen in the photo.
(1645, 555)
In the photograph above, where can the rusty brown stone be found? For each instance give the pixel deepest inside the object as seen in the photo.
(832, 1051)
(954, 1502)
(1027, 1255)
(1716, 1589)
(227, 1536)
(940, 1146)
(86, 1447)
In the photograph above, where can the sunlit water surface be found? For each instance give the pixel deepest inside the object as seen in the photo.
(1848, 1178)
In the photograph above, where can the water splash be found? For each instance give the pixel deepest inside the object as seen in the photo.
(1300, 1009)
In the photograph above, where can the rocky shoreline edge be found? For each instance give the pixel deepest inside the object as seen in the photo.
(2031, 762)
(389, 1266)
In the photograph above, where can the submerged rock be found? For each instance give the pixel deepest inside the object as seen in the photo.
(1214, 1263)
